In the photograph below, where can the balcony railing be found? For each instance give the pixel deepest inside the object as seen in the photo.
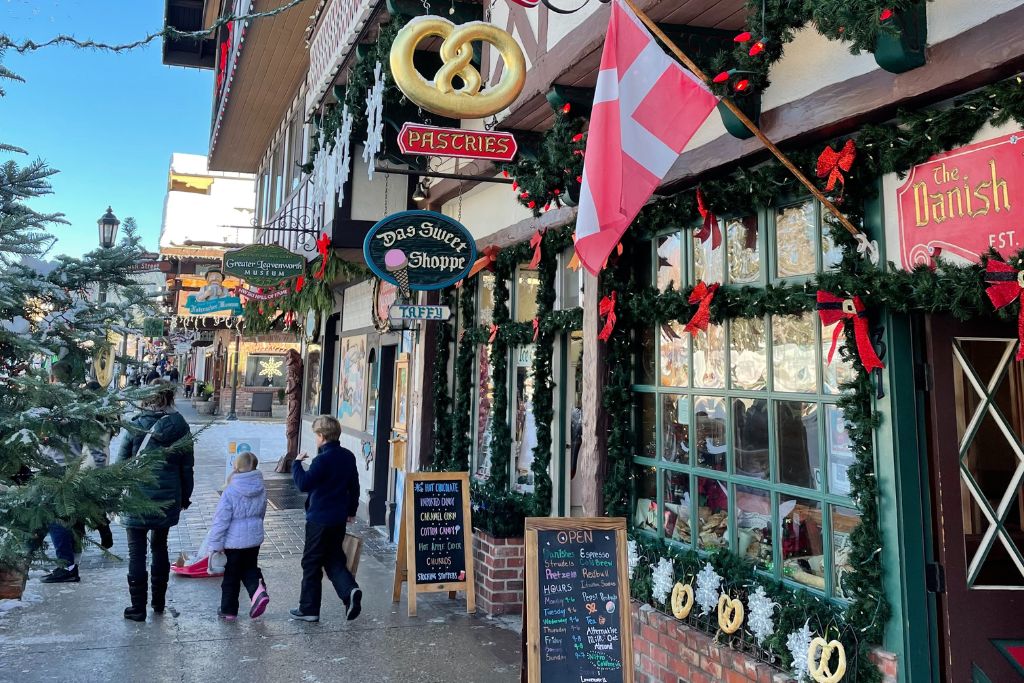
(335, 36)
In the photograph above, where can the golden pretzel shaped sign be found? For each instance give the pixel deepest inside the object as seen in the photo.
(440, 96)
(682, 600)
(820, 670)
(730, 613)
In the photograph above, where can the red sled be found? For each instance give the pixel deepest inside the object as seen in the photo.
(197, 570)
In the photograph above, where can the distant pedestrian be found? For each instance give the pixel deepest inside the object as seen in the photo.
(237, 530)
(173, 375)
(332, 482)
(160, 429)
(152, 375)
(189, 384)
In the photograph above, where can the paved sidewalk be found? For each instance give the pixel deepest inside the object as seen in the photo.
(76, 632)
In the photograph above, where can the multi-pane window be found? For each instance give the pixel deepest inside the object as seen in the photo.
(739, 440)
(483, 415)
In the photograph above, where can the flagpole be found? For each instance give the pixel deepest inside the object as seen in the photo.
(745, 120)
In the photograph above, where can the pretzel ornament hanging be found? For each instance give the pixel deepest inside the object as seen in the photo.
(820, 669)
(730, 614)
(682, 600)
(438, 94)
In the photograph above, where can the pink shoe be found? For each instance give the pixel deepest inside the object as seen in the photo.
(226, 617)
(259, 601)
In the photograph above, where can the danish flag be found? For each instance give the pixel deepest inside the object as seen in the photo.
(646, 108)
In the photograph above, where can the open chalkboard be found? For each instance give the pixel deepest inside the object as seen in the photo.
(578, 621)
(435, 543)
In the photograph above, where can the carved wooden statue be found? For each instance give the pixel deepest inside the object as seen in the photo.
(293, 422)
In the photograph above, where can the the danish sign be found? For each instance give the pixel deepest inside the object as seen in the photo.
(456, 142)
(964, 202)
(419, 250)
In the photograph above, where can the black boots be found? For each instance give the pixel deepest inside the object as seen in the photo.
(137, 588)
(159, 595)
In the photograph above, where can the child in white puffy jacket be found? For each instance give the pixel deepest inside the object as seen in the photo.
(237, 530)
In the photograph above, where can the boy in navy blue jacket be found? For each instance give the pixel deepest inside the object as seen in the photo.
(332, 482)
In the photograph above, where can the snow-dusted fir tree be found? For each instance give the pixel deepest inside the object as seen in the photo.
(50, 329)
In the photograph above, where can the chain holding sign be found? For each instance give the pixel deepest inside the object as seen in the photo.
(437, 94)
(419, 250)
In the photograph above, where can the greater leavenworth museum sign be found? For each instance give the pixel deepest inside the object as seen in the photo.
(419, 250)
(456, 142)
(263, 265)
(964, 202)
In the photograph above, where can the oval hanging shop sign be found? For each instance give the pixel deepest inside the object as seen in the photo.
(430, 249)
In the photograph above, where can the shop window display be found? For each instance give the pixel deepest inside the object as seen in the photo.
(264, 370)
(739, 442)
(312, 403)
(524, 426)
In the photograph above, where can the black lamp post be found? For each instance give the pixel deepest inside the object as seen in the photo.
(108, 225)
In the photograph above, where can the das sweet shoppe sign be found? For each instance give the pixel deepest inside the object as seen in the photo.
(963, 202)
(419, 250)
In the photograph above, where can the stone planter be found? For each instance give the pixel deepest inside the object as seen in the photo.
(205, 407)
(498, 564)
(12, 583)
(279, 410)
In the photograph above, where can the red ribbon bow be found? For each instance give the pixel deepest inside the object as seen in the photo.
(323, 246)
(535, 243)
(710, 228)
(536, 328)
(702, 294)
(488, 257)
(606, 309)
(1005, 286)
(832, 163)
(300, 282)
(494, 334)
(835, 309)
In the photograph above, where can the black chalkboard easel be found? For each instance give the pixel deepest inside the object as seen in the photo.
(577, 615)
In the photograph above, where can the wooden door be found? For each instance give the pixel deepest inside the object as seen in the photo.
(977, 462)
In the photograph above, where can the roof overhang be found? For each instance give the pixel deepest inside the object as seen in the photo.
(189, 15)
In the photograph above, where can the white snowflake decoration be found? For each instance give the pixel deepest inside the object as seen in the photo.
(798, 643)
(342, 154)
(760, 609)
(270, 368)
(633, 557)
(374, 119)
(709, 585)
(663, 578)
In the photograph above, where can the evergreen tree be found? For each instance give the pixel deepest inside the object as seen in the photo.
(50, 329)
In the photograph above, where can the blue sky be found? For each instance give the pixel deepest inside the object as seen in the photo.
(108, 122)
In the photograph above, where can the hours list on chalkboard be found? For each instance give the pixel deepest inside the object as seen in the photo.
(438, 532)
(580, 626)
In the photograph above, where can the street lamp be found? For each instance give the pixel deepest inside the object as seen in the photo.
(108, 225)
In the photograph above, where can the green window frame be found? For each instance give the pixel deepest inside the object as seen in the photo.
(740, 443)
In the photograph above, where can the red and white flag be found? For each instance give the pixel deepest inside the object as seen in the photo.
(646, 108)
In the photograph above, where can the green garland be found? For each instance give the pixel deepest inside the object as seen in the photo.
(551, 178)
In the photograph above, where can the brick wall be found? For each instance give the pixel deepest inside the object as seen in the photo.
(666, 651)
(243, 402)
(498, 566)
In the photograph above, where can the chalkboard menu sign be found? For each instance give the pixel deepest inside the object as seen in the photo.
(435, 551)
(578, 619)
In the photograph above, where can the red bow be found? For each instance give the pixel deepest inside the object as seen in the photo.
(300, 281)
(1005, 286)
(606, 309)
(494, 334)
(835, 309)
(535, 243)
(710, 228)
(323, 246)
(486, 260)
(702, 294)
(831, 163)
(536, 328)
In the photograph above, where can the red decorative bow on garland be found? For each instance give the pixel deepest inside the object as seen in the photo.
(535, 243)
(832, 163)
(486, 260)
(710, 228)
(606, 309)
(536, 328)
(835, 309)
(702, 294)
(1005, 286)
(300, 282)
(323, 246)
(494, 334)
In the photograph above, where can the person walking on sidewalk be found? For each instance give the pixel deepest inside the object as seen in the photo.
(159, 429)
(332, 482)
(237, 530)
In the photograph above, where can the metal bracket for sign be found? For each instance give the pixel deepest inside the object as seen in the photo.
(438, 174)
(294, 221)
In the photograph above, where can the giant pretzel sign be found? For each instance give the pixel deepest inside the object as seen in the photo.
(439, 95)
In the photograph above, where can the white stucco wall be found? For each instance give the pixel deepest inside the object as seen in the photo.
(223, 215)
(357, 310)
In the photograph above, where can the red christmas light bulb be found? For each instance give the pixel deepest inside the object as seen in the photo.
(742, 37)
(757, 48)
(565, 108)
(557, 192)
(531, 204)
(515, 185)
(579, 179)
(577, 137)
(722, 77)
(742, 85)
(885, 15)
(504, 173)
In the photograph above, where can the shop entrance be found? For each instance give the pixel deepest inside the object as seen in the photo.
(976, 410)
(381, 393)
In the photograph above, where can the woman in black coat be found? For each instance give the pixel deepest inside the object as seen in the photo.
(158, 428)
